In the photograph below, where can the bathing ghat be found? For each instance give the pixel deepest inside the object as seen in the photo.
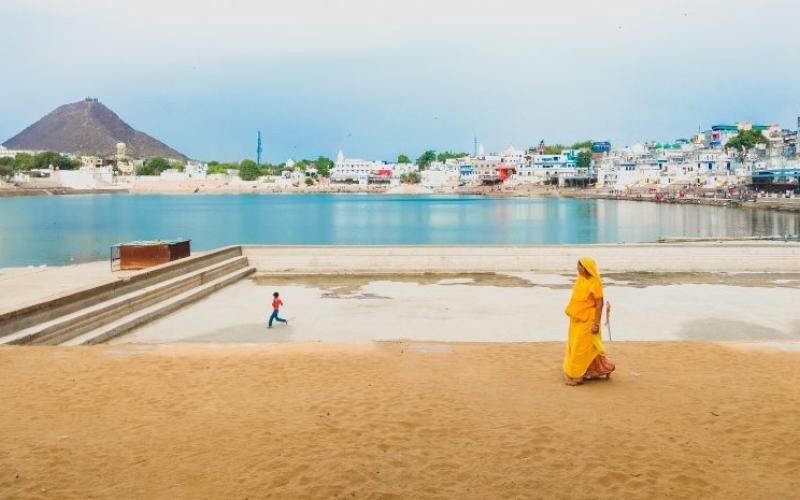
(89, 304)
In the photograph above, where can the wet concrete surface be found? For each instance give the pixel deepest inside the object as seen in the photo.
(485, 307)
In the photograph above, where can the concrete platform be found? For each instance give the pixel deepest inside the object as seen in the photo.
(722, 256)
(20, 286)
(485, 308)
(668, 291)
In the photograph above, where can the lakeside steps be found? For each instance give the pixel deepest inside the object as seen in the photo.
(98, 313)
(101, 312)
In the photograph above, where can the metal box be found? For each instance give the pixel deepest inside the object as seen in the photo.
(144, 254)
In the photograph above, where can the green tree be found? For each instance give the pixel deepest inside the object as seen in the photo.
(23, 162)
(309, 181)
(153, 166)
(583, 145)
(411, 178)
(6, 161)
(324, 166)
(402, 159)
(5, 170)
(47, 159)
(215, 167)
(426, 159)
(248, 170)
(584, 159)
(555, 149)
(447, 155)
(744, 141)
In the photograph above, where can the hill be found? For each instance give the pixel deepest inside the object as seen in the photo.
(88, 127)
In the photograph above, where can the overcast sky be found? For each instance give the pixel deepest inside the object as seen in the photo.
(381, 78)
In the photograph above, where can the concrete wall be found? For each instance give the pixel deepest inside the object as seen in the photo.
(82, 179)
(657, 257)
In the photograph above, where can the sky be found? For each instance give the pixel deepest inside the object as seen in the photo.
(377, 79)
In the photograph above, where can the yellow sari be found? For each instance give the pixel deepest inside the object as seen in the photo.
(583, 346)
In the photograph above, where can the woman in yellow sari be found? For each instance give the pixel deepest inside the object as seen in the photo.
(584, 359)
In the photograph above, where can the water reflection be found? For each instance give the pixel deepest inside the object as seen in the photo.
(64, 229)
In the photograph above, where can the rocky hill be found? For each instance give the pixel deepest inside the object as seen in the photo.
(88, 127)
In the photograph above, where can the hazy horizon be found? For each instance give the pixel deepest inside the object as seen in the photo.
(379, 80)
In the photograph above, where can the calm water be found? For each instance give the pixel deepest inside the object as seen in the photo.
(63, 229)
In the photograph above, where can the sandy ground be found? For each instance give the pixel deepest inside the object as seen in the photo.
(396, 420)
(522, 307)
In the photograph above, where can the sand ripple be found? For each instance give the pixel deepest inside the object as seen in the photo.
(391, 421)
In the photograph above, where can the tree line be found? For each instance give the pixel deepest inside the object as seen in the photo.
(25, 162)
(250, 170)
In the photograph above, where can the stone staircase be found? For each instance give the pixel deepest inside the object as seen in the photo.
(100, 313)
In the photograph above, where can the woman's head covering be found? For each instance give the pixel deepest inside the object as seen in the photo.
(590, 265)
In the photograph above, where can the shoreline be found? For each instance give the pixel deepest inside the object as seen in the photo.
(520, 191)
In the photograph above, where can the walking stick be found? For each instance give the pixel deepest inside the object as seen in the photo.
(608, 320)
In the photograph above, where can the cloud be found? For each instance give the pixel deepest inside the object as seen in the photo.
(200, 74)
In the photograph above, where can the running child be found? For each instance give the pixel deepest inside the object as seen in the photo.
(276, 308)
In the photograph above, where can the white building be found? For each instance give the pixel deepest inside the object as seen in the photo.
(441, 174)
(83, 178)
(543, 167)
(11, 153)
(93, 161)
(512, 156)
(196, 169)
(354, 169)
(485, 161)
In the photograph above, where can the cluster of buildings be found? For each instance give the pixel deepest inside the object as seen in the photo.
(701, 161)
(704, 161)
(480, 168)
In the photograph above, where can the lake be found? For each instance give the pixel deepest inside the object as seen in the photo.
(57, 230)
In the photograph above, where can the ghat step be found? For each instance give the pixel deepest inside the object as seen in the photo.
(97, 316)
(140, 317)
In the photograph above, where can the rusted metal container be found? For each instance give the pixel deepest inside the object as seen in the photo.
(144, 254)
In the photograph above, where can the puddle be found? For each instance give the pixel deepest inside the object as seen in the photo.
(358, 296)
(349, 285)
(456, 281)
(645, 279)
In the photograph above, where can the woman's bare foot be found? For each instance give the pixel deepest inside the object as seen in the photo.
(572, 382)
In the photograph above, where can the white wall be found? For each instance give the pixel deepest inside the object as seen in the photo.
(653, 257)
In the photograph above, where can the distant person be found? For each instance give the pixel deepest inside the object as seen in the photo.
(584, 359)
(276, 309)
